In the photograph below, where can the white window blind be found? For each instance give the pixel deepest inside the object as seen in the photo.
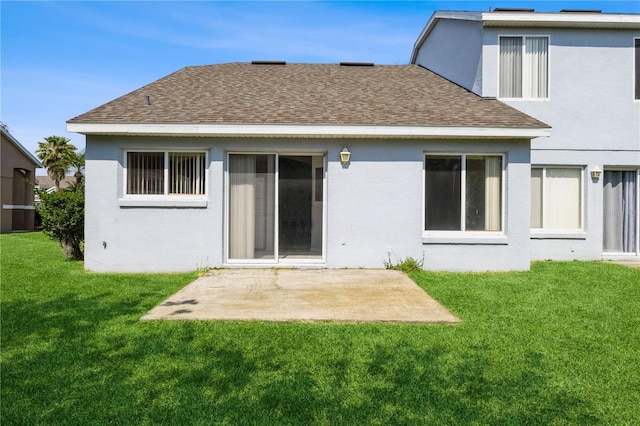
(145, 173)
(556, 198)
(511, 67)
(186, 173)
(524, 67)
(158, 173)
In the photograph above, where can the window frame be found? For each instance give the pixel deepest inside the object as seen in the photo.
(166, 184)
(543, 232)
(635, 75)
(524, 37)
(433, 236)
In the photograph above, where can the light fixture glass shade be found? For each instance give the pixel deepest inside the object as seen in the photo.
(345, 155)
(595, 173)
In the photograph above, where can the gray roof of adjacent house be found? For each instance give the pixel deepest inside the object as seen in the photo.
(307, 94)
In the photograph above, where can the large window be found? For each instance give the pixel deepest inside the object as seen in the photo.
(463, 193)
(524, 67)
(556, 198)
(166, 173)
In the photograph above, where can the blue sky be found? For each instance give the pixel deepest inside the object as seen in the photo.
(62, 58)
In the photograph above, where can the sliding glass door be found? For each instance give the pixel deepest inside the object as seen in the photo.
(275, 207)
(620, 211)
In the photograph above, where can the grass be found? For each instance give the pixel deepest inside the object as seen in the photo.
(557, 345)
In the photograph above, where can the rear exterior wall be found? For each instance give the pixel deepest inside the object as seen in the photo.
(373, 206)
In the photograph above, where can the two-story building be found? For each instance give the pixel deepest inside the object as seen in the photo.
(578, 71)
(17, 171)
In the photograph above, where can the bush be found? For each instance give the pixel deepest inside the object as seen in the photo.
(62, 214)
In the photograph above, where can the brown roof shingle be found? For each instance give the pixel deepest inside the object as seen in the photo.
(315, 94)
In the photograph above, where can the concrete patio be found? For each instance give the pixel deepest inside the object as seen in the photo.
(344, 295)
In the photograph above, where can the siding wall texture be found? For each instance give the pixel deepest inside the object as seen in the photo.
(373, 206)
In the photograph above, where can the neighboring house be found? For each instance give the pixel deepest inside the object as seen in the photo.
(17, 169)
(245, 164)
(48, 185)
(578, 71)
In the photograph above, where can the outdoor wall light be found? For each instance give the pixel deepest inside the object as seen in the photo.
(595, 173)
(345, 156)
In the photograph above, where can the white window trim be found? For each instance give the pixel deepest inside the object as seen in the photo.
(165, 200)
(524, 36)
(633, 73)
(166, 196)
(463, 236)
(562, 233)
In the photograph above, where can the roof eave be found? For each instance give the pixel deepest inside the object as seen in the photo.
(307, 131)
(563, 20)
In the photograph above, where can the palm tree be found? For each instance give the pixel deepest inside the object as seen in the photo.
(56, 154)
(77, 164)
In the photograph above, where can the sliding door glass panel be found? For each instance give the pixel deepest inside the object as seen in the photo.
(620, 216)
(299, 206)
(251, 206)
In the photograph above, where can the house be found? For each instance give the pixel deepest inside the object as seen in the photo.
(578, 71)
(45, 183)
(17, 170)
(306, 165)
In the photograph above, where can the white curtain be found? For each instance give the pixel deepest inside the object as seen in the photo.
(536, 198)
(510, 67)
(242, 170)
(493, 172)
(536, 65)
(562, 199)
(619, 213)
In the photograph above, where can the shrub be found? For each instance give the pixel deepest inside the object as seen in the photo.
(407, 265)
(62, 214)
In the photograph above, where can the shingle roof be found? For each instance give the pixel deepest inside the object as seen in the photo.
(314, 94)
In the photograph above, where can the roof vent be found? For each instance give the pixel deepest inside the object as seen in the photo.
(581, 11)
(513, 9)
(356, 64)
(268, 62)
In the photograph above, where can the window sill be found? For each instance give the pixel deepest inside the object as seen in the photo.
(558, 235)
(163, 202)
(494, 239)
(525, 99)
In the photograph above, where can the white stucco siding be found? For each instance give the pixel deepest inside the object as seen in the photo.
(590, 104)
(595, 120)
(147, 238)
(587, 243)
(454, 50)
(374, 207)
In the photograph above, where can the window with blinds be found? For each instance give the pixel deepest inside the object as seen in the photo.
(166, 173)
(556, 198)
(524, 67)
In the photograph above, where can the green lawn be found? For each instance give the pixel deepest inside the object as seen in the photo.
(557, 345)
